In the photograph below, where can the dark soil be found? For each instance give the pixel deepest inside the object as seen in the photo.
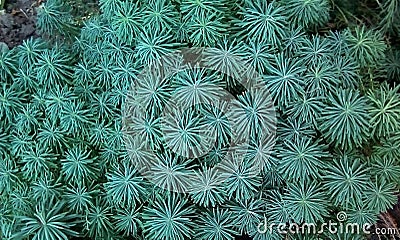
(17, 21)
(389, 220)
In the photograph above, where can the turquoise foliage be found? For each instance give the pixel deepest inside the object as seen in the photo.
(199, 119)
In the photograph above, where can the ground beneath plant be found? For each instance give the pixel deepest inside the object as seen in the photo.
(18, 21)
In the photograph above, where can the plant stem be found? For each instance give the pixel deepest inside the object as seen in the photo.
(2, 4)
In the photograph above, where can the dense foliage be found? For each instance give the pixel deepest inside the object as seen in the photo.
(69, 169)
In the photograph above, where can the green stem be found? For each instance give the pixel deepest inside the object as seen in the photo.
(2, 4)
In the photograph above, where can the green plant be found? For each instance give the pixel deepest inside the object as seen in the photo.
(345, 181)
(169, 219)
(153, 48)
(252, 114)
(262, 22)
(284, 80)
(292, 129)
(125, 21)
(205, 29)
(258, 55)
(206, 189)
(307, 107)
(346, 70)
(30, 50)
(315, 50)
(78, 166)
(217, 122)
(124, 186)
(301, 159)
(199, 119)
(7, 175)
(215, 225)
(54, 18)
(98, 220)
(385, 167)
(160, 15)
(388, 22)
(169, 172)
(37, 162)
(320, 78)
(393, 66)
(345, 118)
(194, 87)
(10, 101)
(379, 195)
(384, 110)
(308, 13)
(366, 46)
(79, 198)
(246, 214)
(303, 199)
(7, 64)
(53, 68)
(191, 8)
(49, 224)
(127, 221)
(240, 178)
